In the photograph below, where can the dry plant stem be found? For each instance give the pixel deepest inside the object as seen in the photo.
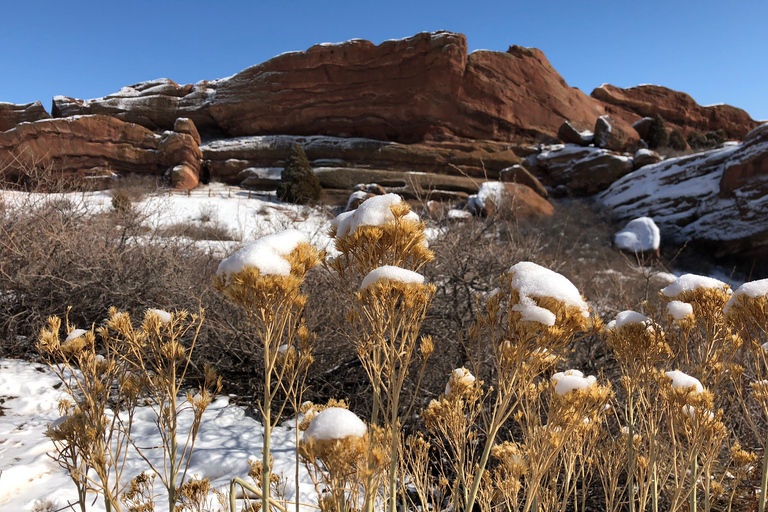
(764, 477)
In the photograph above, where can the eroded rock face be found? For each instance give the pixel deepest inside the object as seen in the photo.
(715, 199)
(426, 87)
(574, 170)
(12, 114)
(614, 134)
(155, 104)
(95, 145)
(225, 159)
(678, 109)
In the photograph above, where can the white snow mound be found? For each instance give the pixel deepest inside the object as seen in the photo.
(163, 315)
(75, 334)
(683, 380)
(266, 254)
(393, 273)
(679, 310)
(461, 375)
(534, 313)
(691, 282)
(639, 235)
(570, 380)
(335, 423)
(630, 317)
(531, 280)
(373, 212)
(752, 290)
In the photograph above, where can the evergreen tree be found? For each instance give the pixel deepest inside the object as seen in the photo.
(676, 140)
(298, 183)
(697, 140)
(657, 134)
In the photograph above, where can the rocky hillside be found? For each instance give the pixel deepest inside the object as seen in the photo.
(418, 116)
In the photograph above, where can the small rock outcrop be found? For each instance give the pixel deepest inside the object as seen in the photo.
(678, 109)
(12, 114)
(614, 134)
(574, 170)
(496, 198)
(98, 145)
(568, 134)
(645, 157)
(714, 199)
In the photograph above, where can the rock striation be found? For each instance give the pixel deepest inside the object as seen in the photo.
(678, 109)
(96, 146)
(717, 199)
(425, 87)
(12, 114)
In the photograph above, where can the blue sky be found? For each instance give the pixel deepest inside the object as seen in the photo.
(717, 53)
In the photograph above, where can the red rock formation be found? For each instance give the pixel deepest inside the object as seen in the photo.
(678, 109)
(425, 87)
(95, 145)
(155, 104)
(12, 114)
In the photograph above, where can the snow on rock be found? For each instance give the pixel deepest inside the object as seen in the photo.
(679, 310)
(75, 334)
(692, 282)
(534, 313)
(163, 315)
(335, 423)
(639, 235)
(460, 376)
(752, 290)
(373, 212)
(495, 191)
(531, 280)
(682, 380)
(392, 273)
(266, 254)
(458, 214)
(570, 380)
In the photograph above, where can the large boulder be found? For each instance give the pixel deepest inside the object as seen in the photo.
(714, 199)
(155, 104)
(645, 156)
(425, 87)
(12, 114)
(678, 109)
(95, 145)
(614, 134)
(568, 134)
(496, 198)
(519, 174)
(579, 171)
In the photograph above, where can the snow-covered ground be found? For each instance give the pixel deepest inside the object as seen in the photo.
(31, 480)
(245, 214)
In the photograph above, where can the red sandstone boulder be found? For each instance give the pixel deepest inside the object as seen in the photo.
(12, 114)
(519, 174)
(568, 134)
(496, 198)
(573, 170)
(677, 108)
(90, 145)
(614, 134)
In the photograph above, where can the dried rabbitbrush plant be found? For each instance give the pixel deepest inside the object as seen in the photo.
(265, 278)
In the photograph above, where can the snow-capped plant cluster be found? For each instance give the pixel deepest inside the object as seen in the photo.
(515, 428)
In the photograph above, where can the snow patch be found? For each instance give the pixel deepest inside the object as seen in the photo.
(534, 281)
(679, 310)
(335, 423)
(692, 282)
(373, 212)
(392, 273)
(682, 380)
(266, 254)
(639, 235)
(571, 380)
(752, 290)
